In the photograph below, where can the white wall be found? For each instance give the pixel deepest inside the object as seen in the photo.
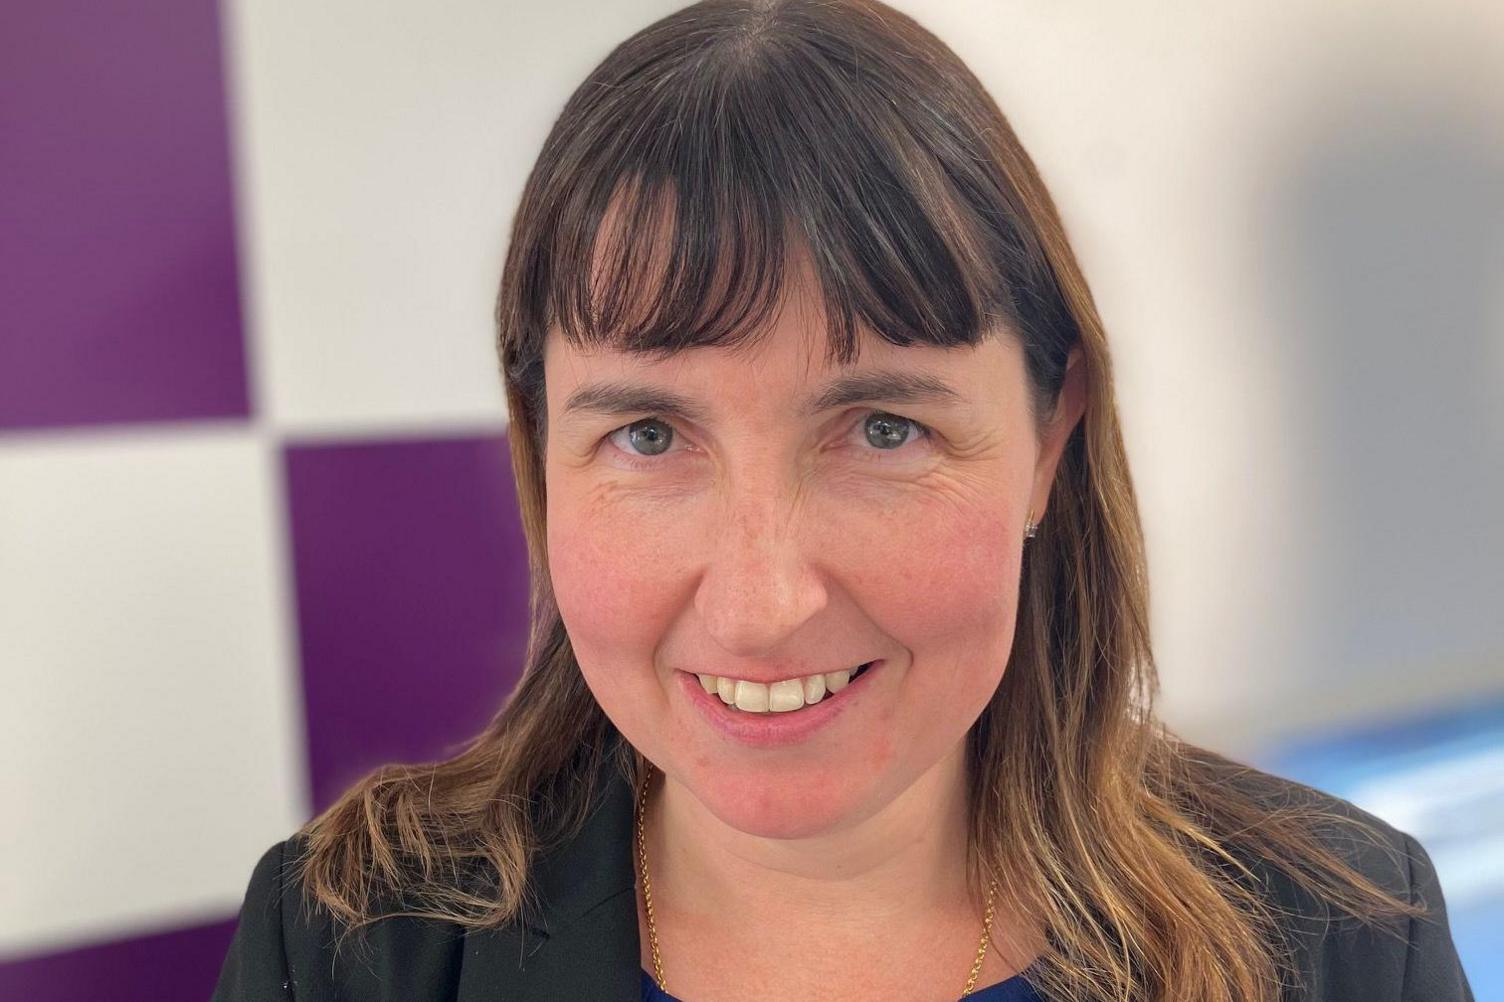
(1292, 215)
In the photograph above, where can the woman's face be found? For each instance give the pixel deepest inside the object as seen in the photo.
(768, 534)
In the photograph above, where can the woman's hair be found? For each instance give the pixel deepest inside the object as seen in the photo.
(737, 131)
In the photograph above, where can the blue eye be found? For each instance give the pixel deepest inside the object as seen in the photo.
(650, 434)
(892, 433)
(648, 437)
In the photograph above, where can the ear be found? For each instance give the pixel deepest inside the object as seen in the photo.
(1070, 404)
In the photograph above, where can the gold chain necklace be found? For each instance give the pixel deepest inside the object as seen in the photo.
(647, 898)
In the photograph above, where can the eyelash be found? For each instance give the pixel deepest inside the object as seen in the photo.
(925, 433)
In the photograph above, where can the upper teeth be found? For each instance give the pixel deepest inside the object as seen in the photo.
(777, 697)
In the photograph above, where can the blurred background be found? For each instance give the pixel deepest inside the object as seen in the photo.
(257, 524)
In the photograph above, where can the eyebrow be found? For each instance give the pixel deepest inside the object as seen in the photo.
(889, 386)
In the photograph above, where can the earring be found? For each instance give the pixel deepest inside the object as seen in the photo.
(1030, 527)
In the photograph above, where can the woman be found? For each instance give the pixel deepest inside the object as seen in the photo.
(839, 682)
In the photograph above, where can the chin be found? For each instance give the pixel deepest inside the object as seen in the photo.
(778, 804)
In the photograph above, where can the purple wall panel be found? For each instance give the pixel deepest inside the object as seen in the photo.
(177, 966)
(411, 577)
(119, 296)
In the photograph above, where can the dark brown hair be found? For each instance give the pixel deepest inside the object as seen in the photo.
(731, 133)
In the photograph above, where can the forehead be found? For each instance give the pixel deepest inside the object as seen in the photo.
(795, 344)
(796, 330)
(784, 374)
(783, 351)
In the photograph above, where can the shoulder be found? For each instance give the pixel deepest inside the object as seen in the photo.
(1337, 955)
(285, 947)
(255, 968)
(1364, 841)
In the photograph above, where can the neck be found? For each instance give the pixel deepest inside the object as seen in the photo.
(904, 862)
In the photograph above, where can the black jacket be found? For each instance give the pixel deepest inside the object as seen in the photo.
(585, 944)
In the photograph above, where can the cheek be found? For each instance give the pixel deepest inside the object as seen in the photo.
(939, 563)
(939, 571)
(938, 574)
(614, 590)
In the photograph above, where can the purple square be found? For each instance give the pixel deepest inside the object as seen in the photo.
(119, 296)
(412, 581)
(177, 966)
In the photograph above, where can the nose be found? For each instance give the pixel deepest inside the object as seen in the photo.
(759, 587)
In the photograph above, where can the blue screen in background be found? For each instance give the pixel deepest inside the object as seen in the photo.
(1441, 779)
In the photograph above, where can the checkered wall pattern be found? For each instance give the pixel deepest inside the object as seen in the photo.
(214, 628)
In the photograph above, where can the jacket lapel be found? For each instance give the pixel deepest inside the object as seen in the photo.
(585, 943)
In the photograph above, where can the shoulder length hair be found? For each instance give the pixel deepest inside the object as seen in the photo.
(737, 127)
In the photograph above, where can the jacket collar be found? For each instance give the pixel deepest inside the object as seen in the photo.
(584, 942)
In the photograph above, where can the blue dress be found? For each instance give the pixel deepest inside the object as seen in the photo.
(1015, 989)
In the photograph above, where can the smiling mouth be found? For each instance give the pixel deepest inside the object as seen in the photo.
(788, 696)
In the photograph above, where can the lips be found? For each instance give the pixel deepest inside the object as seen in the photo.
(771, 730)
